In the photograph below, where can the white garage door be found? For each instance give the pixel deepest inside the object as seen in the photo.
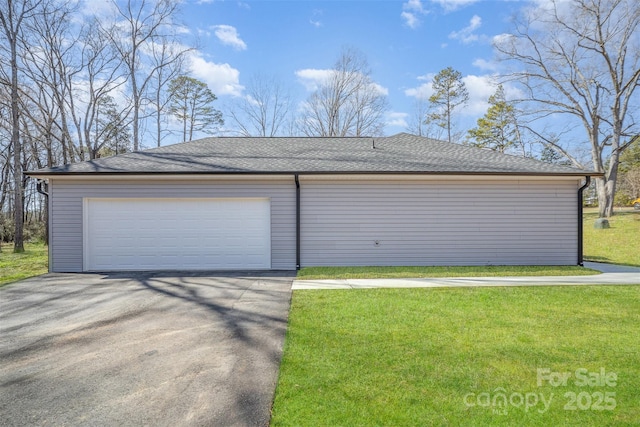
(176, 234)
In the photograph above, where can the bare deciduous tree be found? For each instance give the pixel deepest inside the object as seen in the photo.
(103, 77)
(632, 183)
(12, 15)
(144, 25)
(417, 125)
(68, 88)
(162, 53)
(348, 103)
(49, 65)
(579, 59)
(264, 110)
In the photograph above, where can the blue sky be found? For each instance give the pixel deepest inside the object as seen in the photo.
(405, 42)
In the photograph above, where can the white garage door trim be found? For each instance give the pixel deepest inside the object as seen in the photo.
(129, 234)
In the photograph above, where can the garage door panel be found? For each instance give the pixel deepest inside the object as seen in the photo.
(168, 234)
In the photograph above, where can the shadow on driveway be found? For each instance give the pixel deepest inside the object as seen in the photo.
(176, 348)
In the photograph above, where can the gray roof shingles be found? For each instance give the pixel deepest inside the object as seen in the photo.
(401, 153)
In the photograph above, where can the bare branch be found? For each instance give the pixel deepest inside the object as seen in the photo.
(348, 103)
(579, 58)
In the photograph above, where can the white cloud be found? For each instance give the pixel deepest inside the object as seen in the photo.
(425, 90)
(380, 89)
(410, 19)
(397, 119)
(311, 78)
(536, 8)
(512, 92)
(181, 29)
(427, 77)
(466, 35)
(100, 9)
(415, 5)
(451, 5)
(203, 33)
(228, 35)
(116, 89)
(222, 79)
(483, 64)
(501, 38)
(411, 11)
(480, 88)
(316, 24)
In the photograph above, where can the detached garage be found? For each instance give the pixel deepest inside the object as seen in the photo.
(283, 203)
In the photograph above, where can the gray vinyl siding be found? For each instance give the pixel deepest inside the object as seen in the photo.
(447, 222)
(429, 221)
(67, 210)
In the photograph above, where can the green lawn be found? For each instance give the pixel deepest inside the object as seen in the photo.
(32, 262)
(619, 244)
(419, 357)
(342, 273)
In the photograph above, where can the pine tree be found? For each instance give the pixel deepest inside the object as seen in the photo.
(498, 128)
(190, 103)
(450, 93)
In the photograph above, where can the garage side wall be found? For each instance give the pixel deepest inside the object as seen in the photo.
(67, 210)
(439, 222)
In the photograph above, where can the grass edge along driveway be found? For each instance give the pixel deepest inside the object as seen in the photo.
(415, 272)
(407, 357)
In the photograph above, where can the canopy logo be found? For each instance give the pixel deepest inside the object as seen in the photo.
(500, 401)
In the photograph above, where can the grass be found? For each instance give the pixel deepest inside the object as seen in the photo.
(619, 244)
(33, 261)
(341, 273)
(391, 357)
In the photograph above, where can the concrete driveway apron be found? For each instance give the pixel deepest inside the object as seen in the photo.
(142, 348)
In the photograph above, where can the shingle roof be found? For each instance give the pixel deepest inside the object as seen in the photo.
(401, 153)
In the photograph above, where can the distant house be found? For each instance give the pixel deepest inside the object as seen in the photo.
(283, 203)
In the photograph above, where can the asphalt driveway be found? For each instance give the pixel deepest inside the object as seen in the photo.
(142, 348)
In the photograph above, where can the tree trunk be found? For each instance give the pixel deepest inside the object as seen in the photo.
(158, 122)
(18, 211)
(136, 107)
(136, 123)
(605, 189)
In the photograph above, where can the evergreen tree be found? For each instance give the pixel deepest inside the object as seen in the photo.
(498, 128)
(190, 103)
(550, 155)
(450, 93)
